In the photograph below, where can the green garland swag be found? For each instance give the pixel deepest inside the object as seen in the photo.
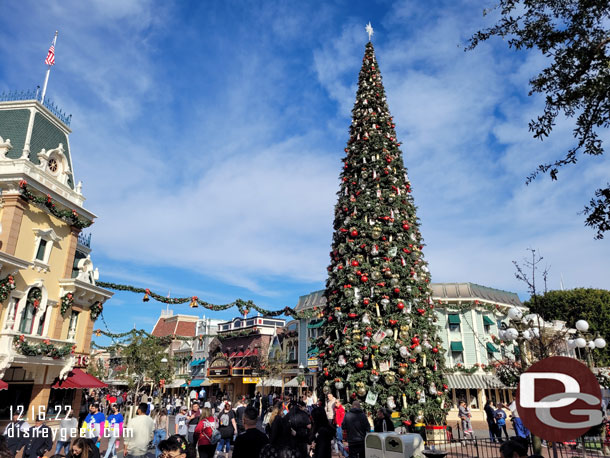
(244, 307)
(69, 216)
(44, 348)
(7, 284)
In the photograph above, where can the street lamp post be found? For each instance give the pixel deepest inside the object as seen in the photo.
(586, 341)
(302, 377)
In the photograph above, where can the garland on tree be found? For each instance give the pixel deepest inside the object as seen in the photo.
(379, 340)
(44, 348)
(7, 284)
(69, 216)
(244, 307)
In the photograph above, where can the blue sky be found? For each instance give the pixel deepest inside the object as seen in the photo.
(208, 136)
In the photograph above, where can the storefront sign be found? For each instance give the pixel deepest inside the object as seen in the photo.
(82, 360)
(251, 380)
(221, 380)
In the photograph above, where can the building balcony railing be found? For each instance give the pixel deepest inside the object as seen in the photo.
(12, 96)
(84, 240)
(27, 348)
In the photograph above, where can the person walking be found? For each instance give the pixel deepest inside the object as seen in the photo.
(40, 440)
(330, 407)
(181, 428)
(339, 417)
(251, 442)
(383, 421)
(115, 431)
(204, 432)
(501, 421)
(239, 416)
(161, 430)
(490, 414)
(322, 433)
(15, 433)
(227, 428)
(193, 420)
(142, 428)
(68, 429)
(356, 425)
(299, 425)
(94, 423)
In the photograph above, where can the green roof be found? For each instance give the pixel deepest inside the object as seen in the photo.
(14, 126)
(454, 318)
(457, 346)
(491, 348)
(45, 135)
(488, 321)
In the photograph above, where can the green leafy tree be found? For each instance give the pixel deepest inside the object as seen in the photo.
(96, 368)
(572, 305)
(574, 36)
(379, 340)
(142, 357)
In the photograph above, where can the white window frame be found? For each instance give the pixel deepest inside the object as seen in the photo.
(50, 237)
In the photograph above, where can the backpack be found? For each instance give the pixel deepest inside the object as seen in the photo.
(216, 436)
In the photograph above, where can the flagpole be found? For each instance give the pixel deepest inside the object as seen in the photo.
(46, 78)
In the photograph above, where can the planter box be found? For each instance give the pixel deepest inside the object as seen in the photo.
(436, 433)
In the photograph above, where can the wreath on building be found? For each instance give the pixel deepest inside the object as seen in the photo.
(34, 298)
(95, 309)
(67, 301)
(7, 284)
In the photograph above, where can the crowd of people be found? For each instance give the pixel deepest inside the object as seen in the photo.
(260, 426)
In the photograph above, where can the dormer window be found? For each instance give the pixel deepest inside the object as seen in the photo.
(43, 245)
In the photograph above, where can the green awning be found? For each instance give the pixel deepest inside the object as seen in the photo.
(313, 351)
(491, 348)
(316, 324)
(457, 346)
(454, 318)
(488, 321)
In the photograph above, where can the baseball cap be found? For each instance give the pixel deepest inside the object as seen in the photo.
(183, 409)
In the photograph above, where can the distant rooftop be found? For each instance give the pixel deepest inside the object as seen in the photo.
(465, 291)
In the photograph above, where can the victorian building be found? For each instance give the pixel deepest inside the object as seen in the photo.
(239, 357)
(49, 299)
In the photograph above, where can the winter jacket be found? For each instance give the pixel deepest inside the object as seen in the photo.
(356, 424)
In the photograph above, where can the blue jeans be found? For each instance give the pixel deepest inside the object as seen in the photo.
(111, 449)
(160, 435)
(224, 443)
(62, 444)
(339, 438)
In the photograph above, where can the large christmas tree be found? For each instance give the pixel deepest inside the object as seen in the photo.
(380, 341)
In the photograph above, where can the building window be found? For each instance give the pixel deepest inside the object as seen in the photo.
(487, 323)
(43, 244)
(32, 303)
(73, 324)
(457, 356)
(460, 395)
(474, 398)
(41, 323)
(453, 321)
(42, 248)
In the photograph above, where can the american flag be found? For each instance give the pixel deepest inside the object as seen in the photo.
(50, 60)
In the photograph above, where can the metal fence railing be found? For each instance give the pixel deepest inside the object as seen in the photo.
(460, 447)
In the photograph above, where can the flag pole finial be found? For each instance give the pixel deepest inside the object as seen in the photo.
(369, 30)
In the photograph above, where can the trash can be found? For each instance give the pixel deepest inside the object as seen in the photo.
(374, 444)
(403, 445)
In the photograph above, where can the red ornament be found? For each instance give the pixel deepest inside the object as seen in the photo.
(407, 422)
(340, 267)
(400, 305)
(360, 364)
(369, 333)
(415, 340)
(393, 322)
(421, 311)
(352, 315)
(364, 279)
(405, 226)
(366, 301)
(397, 290)
(355, 263)
(435, 350)
(354, 233)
